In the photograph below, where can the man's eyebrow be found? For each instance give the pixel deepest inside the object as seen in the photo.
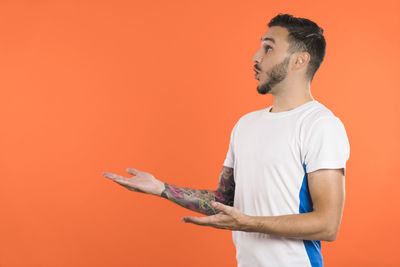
(266, 38)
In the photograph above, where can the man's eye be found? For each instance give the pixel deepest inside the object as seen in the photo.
(267, 47)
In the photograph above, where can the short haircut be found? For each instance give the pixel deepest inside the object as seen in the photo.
(304, 36)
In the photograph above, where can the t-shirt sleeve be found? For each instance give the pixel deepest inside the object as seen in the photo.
(326, 145)
(230, 155)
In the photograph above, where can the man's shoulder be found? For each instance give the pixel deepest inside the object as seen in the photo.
(317, 112)
(252, 114)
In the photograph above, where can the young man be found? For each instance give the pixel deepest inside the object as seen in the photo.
(281, 189)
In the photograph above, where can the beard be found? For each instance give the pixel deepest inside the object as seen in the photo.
(276, 75)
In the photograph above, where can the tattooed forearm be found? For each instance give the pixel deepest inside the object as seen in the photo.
(193, 199)
(200, 200)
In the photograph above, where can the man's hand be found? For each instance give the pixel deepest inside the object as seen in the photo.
(143, 182)
(229, 218)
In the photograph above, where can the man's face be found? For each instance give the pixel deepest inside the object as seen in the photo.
(271, 59)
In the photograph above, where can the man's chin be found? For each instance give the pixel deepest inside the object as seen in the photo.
(263, 89)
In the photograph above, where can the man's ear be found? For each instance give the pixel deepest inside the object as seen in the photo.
(302, 60)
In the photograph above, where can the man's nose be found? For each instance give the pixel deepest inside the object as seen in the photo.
(257, 57)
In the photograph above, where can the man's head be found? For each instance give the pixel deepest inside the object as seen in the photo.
(291, 47)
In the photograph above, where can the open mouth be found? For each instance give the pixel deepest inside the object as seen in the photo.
(257, 73)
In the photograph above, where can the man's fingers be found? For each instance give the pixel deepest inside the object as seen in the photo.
(109, 175)
(198, 220)
(125, 182)
(116, 178)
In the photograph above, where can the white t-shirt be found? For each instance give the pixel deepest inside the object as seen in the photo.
(271, 154)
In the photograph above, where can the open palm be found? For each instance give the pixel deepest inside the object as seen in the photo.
(142, 182)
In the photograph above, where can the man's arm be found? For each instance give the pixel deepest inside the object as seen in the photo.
(200, 200)
(327, 191)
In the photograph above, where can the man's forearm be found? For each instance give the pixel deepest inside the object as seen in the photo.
(306, 226)
(200, 200)
(193, 199)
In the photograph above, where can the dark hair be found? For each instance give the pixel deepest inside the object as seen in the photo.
(304, 35)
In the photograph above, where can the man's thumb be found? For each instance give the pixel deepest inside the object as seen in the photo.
(132, 171)
(220, 207)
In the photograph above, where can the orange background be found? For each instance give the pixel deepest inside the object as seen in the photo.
(93, 86)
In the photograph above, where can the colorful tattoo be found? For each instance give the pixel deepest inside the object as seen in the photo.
(200, 200)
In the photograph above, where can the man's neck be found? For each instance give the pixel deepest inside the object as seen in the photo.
(291, 93)
(285, 104)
